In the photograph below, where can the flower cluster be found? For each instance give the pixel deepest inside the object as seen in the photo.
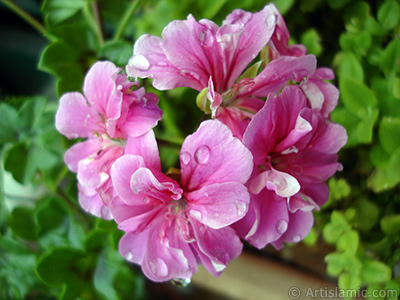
(254, 171)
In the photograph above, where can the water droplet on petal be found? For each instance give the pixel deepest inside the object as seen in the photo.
(128, 255)
(253, 56)
(192, 75)
(179, 282)
(205, 194)
(196, 214)
(140, 62)
(202, 155)
(296, 238)
(146, 199)
(281, 226)
(216, 215)
(185, 158)
(241, 208)
(158, 267)
(135, 191)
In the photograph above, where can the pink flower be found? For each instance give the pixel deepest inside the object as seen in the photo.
(295, 151)
(208, 58)
(321, 94)
(172, 225)
(107, 114)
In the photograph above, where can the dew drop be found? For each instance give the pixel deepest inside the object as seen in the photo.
(158, 267)
(185, 158)
(205, 195)
(296, 238)
(202, 155)
(281, 226)
(196, 214)
(140, 62)
(216, 215)
(241, 208)
(179, 282)
(146, 199)
(253, 56)
(190, 74)
(135, 191)
(128, 255)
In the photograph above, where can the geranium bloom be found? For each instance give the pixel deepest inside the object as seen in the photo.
(107, 114)
(208, 58)
(172, 225)
(295, 151)
(321, 94)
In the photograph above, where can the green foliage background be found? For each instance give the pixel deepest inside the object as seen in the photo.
(50, 248)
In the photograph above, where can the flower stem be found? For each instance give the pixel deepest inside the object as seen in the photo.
(125, 19)
(93, 18)
(29, 19)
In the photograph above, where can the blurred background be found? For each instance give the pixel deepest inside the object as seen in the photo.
(51, 249)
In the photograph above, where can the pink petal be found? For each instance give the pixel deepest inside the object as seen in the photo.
(218, 205)
(271, 219)
(132, 246)
(149, 60)
(81, 151)
(75, 118)
(216, 247)
(277, 73)
(301, 202)
(142, 116)
(281, 183)
(122, 211)
(213, 155)
(146, 147)
(300, 224)
(256, 32)
(148, 187)
(101, 91)
(91, 202)
(121, 173)
(167, 256)
(192, 48)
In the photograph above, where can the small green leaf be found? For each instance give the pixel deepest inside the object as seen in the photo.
(367, 214)
(23, 223)
(8, 124)
(356, 96)
(378, 156)
(389, 14)
(335, 264)
(374, 271)
(57, 11)
(389, 134)
(349, 284)
(351, 67)
(391, 225)
(251, 72)
(312, 41)
(389, 58)
(118, 52)
(20, 164)
(31, 112)
(348, 242)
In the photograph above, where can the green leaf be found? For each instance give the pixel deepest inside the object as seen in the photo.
(61, 267)
(378, 156)
(23, 223)
(57, 11)
(335, 229)
(8, 124)
(20, 164)
(351, 67)
(335, 264)
(389, 134)
(31, 112)
(312, 41)
(391, 225)
(284, 5)
(367, 214)
(118, 52)
(349, 284)
(389, 14)
(348, 242)
(374, 271)
(250, 72)
(357, 97)
(386, 177)
(389, 58)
